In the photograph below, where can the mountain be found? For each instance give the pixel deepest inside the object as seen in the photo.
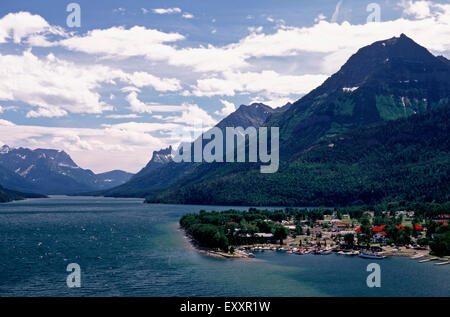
(51, 172)
(161, 171)
(406, 159)
(253, 115)
(112, 179)
(388, 80)
(7, 195)
(442, 58)
(159, 158)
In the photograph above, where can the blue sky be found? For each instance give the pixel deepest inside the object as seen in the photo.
(137, 76)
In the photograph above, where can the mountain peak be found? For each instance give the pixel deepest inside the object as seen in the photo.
(162, 156)
(253, 115)
(400, 57)
(5, 149)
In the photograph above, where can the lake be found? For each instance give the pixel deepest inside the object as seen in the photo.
(127, 248)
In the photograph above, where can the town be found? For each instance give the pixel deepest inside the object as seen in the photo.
(370, 232)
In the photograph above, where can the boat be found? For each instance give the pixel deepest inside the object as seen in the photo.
(442, 263)
(371, 255)
(417, 256)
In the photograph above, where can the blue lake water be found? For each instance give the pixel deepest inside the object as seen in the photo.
(127, 248)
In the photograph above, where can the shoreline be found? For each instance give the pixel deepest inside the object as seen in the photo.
(209, 252)
(270, 247)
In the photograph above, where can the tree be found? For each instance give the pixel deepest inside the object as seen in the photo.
(422, 241)
(349, 239)
(221, 241)
(279, 232)
(298, 228)
(440, 245)
(365, 231)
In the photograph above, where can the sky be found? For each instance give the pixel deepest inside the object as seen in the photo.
(137, 76)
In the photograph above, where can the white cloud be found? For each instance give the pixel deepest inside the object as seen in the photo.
(265, 82)
(167, 11)
(137, 105)
(56, 87)
(142, 79)
(123, 116)
(6, 123)
(254, 29)
(20, 25)
(119, 41)
(417, 9)
(192, 115)
(320, 17)
(228, 108)
(49, 112)
(187, 15)
(130, 89)
(328, 39)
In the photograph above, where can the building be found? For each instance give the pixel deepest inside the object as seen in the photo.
(379, 237)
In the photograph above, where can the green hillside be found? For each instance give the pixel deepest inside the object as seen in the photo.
(7, 195)
(407, 159)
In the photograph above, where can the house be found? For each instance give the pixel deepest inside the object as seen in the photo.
(339, 224)
(406, 213)
(264, 235)
(290, 227)
(379, 237)
(344, 233)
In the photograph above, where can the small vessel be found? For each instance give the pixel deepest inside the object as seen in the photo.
(442, 263)
(371, 255)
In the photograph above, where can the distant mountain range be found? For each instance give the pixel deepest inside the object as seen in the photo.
(388, 84)
(50, 171)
